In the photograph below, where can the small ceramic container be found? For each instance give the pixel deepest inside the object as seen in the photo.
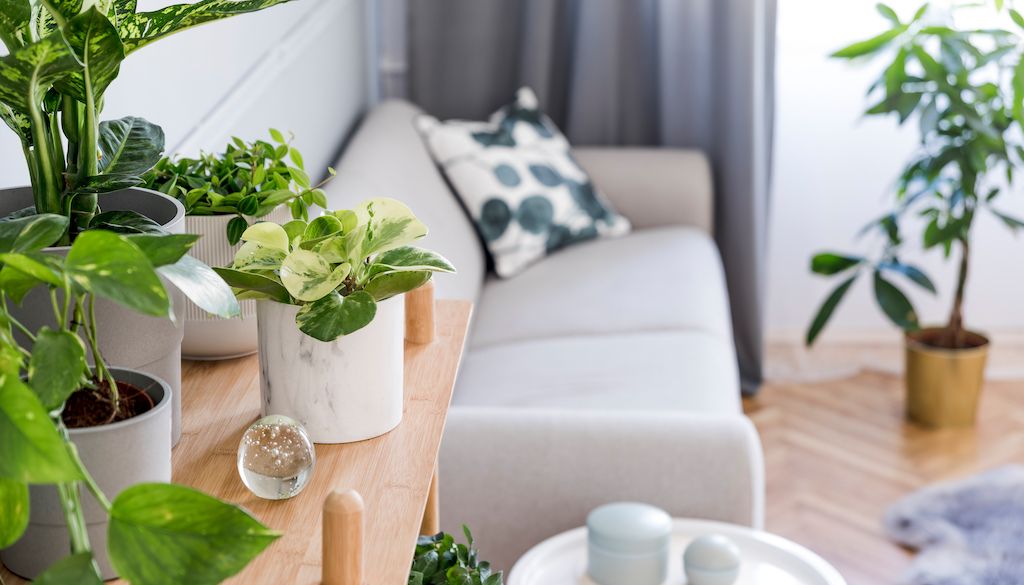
(628, 544)
(712, 560)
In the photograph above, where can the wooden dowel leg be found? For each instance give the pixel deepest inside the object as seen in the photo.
(344, 525)
(419, 314)
(432, 512)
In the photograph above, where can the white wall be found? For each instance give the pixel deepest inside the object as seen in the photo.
(833, 173)
(177, 81)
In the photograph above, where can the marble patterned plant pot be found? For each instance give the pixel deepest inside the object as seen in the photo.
(342, 391)
(118, 456)
(126, 338)
(208, 337)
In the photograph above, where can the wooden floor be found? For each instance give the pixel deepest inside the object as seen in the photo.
(838, 453)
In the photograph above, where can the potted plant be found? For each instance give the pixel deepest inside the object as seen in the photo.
(439, 560)
(330, 315)
(965, 87)
(61, 58)
(222, 193)
(87, 450)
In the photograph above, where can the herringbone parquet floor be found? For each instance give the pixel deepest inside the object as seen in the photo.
(838, 453)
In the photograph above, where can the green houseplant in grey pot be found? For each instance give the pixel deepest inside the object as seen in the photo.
(87, 449)
(62, 57)
(223, 193)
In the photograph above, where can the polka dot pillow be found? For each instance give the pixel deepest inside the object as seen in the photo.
(516, 175)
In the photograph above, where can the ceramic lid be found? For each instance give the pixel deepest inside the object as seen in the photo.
(629, 528)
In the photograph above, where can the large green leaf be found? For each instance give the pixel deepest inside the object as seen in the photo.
(77, 569)
(915, 274)
(895, 304)
(308, 276)
(124, 221)
(33, 451)
(828, 263)
(57, 366)
(37, 265)
(827, 308)
(14, 23)
(334, 315)
(110, 266)
(254, 283)
(171, 534)
(129, 146)
(64, 9)
(28, 72)
(13, 511)
(138, 30)
(202, 286)
(18, 122)
(268, 234)
(389, 284)
(32, 233)
(16, 284)
(252, 256)
(413, 258)
(163, 249)
(869, 46)
(94, 40)
(389, 224)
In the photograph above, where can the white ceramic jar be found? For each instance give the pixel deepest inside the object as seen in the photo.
(628, 544)
(342, 391)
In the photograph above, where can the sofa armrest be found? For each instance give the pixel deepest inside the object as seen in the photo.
(653, 186)
(517, 477)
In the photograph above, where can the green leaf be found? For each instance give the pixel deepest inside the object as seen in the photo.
(140, 29)
(169, 534)
(125, 222)
(254, 257)
(895, 304)
(111, 266)
(1018, 92)
(94, 41)
(869, 46)
(16, 284)
(57, 366)
(13, 511)
(827, 308)
(268, 234)
(236, 227)
(163, 249)
(309, 277)
(106, 184)
(29, 71)
(32, 233)
(202, 286)
(294, 229)
(390, 224)
(276, 135)
(888, 13)
(1017, 18)
(911, 272)
(129, 146)
(257, 283)
(828, 263)
(14, 23)
(334, 315)
(39, 266)
(321, 228)
(389, 284)
(33, 450)
(77, 569)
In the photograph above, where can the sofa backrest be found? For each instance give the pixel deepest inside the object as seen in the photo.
(387, 158)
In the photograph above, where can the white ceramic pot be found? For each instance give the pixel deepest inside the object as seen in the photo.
(342, 391)
(208, 337)
(118, 456)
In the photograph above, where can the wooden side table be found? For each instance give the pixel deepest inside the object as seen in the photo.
(357, 521)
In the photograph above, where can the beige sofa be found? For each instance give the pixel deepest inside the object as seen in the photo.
(606, 372)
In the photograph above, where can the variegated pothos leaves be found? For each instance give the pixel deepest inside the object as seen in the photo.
(27, 73)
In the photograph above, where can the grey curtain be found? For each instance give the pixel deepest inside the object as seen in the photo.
(687, 73)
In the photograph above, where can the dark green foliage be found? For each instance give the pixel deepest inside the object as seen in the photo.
(440, 560)
(965, 87)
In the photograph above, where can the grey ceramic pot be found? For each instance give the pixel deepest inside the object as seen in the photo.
(126, 338)
(118, 456)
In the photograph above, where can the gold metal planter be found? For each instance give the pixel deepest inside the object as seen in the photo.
(944, 385)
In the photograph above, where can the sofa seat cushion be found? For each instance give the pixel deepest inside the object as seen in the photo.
(662, 279)
(685, 370)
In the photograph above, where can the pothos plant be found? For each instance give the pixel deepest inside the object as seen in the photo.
(439, 560)
(63, 54)
(248, 179)
(158, 533)
(336, 267)
(965, 88)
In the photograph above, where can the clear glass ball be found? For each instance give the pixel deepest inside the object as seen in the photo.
(276, 457)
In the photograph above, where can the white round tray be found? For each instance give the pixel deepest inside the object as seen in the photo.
(767, 559)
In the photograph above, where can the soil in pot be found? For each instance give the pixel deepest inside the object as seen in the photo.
(941, 338)
(92, 407)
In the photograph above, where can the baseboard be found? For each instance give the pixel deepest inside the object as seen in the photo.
(841, 355)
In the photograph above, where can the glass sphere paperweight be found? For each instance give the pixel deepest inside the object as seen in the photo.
(276, 458)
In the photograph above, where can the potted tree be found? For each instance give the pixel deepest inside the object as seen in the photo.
(61, 58)
(223, 193)
(87, 450)
(330, 315)
(965, 88)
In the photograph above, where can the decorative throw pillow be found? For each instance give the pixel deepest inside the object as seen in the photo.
(520, 183)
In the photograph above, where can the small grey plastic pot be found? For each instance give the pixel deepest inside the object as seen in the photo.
(118, 455)
(126, 338)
